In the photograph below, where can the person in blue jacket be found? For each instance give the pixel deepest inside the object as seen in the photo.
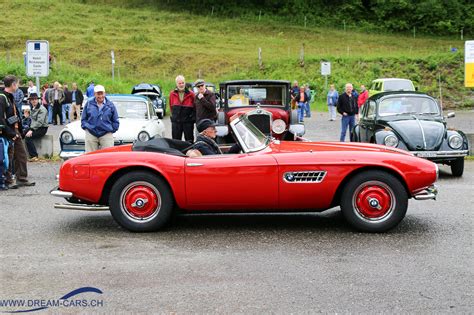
(90, 90)
(100, 121)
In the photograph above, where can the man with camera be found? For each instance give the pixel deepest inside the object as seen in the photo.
(13, 131)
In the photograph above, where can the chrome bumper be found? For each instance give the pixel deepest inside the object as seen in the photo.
(426, 194)
(74, 206)
(84, 207)
(70, 154)
(59, 193)
(440, 154)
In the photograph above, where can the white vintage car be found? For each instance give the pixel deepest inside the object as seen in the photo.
(138, 121)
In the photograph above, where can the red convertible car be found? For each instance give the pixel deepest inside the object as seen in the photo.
(142, 184)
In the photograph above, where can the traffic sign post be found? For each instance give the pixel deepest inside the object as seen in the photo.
(112, 54)
(325, 71)
(37, 59)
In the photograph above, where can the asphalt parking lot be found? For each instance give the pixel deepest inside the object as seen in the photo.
(242, 264)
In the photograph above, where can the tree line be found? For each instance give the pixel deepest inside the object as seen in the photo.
(435, 17)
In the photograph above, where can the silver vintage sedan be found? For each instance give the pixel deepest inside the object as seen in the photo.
(138, 121)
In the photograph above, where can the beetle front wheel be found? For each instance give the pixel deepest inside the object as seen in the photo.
(374, 201)
(457, 167)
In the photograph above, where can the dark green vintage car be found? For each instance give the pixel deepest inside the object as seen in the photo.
(414, 122)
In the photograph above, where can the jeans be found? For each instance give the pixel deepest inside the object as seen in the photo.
(347, 121)
(50, 113)
(307, 109)
(65, 111)
(3, 160)
(332, 112)
(301, 108)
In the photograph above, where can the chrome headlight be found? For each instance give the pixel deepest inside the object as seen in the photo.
(278, 126)
(66, 137)
(391, 141)
(160, 102)
(143, 136)
(455, 141)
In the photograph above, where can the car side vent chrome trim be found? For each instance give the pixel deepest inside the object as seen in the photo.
(304, 177)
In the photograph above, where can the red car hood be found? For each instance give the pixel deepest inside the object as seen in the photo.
(298, 146)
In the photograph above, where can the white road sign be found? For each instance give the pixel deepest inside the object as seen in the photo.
(325, 68)
(37, 58)
(469, 63)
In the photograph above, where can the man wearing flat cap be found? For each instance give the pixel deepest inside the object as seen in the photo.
(205, 142)
(205, 102)
(100, 121)
(38, 126)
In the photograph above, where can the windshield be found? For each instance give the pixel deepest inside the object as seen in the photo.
(398, 85)
(408, 105)
(131, 109)
(247, 95)
(250, 138)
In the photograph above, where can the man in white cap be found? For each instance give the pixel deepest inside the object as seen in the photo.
(99, 120)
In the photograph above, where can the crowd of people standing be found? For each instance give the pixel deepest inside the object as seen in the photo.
(63, 104)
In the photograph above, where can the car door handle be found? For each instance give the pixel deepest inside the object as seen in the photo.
(194, 164)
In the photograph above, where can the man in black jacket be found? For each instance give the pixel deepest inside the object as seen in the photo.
(16, 152)
(205, 102)
(77, 98)
(347, 107)
(205, 142)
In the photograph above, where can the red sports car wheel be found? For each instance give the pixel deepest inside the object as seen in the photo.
(374, 201)
(141, 201)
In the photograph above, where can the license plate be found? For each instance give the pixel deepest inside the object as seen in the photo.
(426, 154)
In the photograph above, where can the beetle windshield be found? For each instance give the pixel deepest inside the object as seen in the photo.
(131, 109)
(408, 106)
(398, 85)
(248, 95)
(250, 137)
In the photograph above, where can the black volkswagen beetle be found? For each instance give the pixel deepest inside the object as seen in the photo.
(154, 93)
(414, 122)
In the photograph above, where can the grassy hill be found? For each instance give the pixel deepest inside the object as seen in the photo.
(154, 45)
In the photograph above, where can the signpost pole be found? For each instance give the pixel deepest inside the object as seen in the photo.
(38, 85)
(325, 71)
(113, 64)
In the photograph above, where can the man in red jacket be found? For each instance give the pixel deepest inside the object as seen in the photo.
(183, 112)
(363, 96)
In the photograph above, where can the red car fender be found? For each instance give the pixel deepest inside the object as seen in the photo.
(105, 168)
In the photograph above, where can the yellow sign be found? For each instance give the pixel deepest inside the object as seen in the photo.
(469, 63)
